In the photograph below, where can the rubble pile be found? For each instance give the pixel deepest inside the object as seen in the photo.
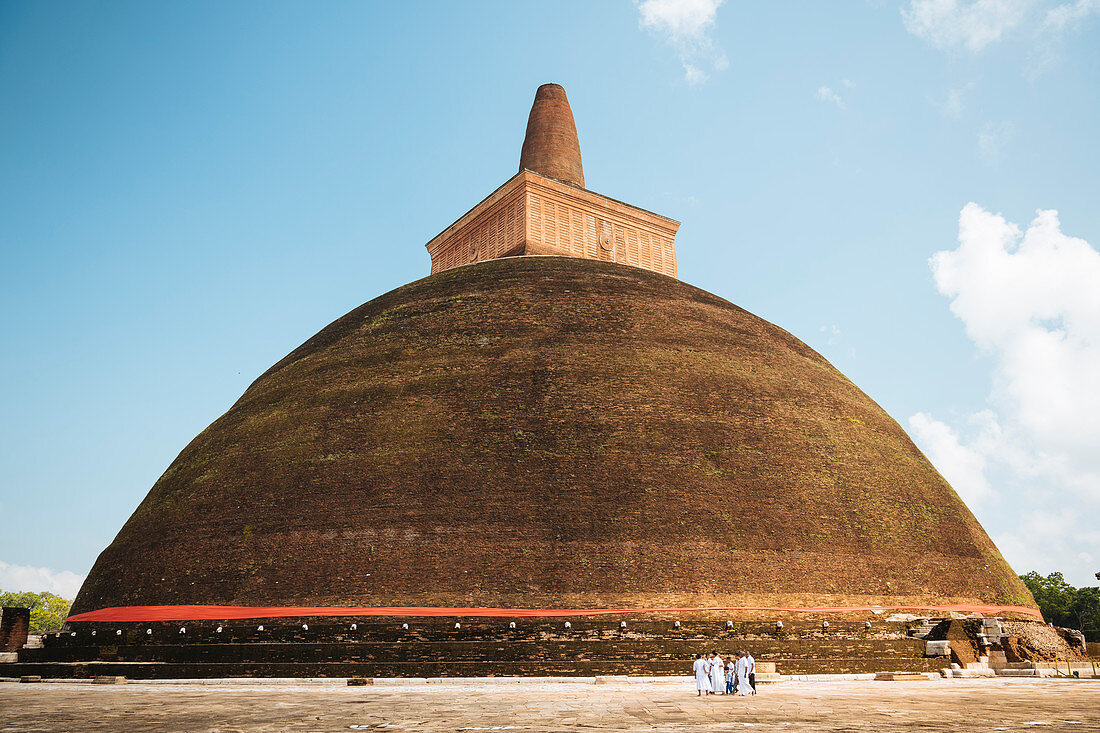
(1036, 642)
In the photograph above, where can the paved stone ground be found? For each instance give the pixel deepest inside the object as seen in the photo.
(947, 705)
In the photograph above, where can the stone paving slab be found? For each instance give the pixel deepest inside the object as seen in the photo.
(618, 705)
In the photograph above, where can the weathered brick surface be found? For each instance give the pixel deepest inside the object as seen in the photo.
(14, 627)
(438, 666)
(550, 432)
(414, 650)
(703, 628)
(431, 647)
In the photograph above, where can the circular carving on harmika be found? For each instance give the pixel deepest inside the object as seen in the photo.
(605, 238)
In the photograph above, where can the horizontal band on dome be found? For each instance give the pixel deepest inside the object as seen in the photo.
(218, 613)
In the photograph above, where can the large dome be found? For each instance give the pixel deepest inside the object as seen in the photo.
(551, 432)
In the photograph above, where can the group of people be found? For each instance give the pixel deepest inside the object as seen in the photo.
(730, 676)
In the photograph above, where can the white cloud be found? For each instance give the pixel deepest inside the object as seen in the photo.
(64, 583)
(960, 24)
(976, 24)
(1030, 300)
(1051, 540)
(686, 26)
(992, 140)
(961, 465)
(1057, 21)
(953, 105)
(1070, 15)
(832, 333)
(826, 94)
(683, 20)
(693, 74)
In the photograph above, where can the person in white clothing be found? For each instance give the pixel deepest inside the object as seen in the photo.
(743, 686)
(702, 675)
(717, 674)
(752, 671)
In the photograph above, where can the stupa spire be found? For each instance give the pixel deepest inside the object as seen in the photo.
(551, 147)
(545, 209)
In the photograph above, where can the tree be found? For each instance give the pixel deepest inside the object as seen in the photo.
(48, 610)
(1066, 606)
(1087, 610)
(1054, 595)
(18, 598)
(50, 613)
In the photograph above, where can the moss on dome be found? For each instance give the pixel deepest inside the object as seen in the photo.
(551, 432)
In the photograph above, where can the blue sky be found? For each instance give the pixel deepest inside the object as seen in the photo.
(190, 190)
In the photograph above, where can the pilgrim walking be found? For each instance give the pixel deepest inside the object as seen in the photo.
(735, 675)
(752, 671)
(743, 685)
(717, 674)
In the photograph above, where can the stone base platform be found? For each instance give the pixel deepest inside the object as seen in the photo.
(421, 648)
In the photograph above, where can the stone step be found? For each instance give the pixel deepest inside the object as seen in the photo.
(968, 673)
(1017, 665)
(1082, 672)
(1066, 666)
(437, 668)
(488, 651)
(262, 631)
(1018, 673)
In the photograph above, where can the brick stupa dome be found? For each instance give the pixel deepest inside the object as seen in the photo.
(551, 433)
(550, 422)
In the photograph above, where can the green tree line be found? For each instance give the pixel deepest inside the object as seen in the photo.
(48, 610)
(1066, 606)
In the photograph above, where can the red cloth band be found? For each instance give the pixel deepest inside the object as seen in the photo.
(217, 613)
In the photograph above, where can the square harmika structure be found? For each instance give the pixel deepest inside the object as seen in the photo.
(535, 215)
